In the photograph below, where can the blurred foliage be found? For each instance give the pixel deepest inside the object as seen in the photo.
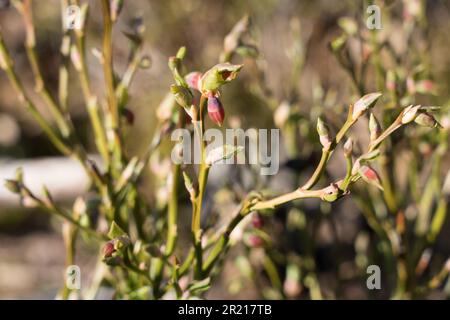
(302, 60)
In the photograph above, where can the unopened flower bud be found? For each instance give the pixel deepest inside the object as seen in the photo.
(427, 120)
(410, 113)
(183, 96)
(370, 176)
(108, 249)
(348, 147)
(324, 134)
(426, 86)
(282, 114)
(292, 286)
(193, 79)
(374, 128)
(257, 221)
(255, 241)
(174, 63)
(115, 8)
(411, 85)
(365, 103)
(390, 80)
(219, 75)
(445, 122)
(216, 111)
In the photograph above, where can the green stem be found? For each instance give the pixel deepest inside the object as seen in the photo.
(202, 180)
(113, 111)
(326, 153)
(40, 86)
(91, 100)
(172, 211)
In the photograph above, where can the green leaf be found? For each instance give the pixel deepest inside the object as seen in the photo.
(189, 183)
(369, 156)
(115, 231)
(200, 286)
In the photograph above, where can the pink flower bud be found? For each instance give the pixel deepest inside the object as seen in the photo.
(425, 86)
(192, 79)
(108, 249)
(216, 111)
(365, 103)
(324, 134)
(370, 176)
(410, 85)
(390, 81)
(257, 221)
(348, 147)
(255, 241)
(374, 128)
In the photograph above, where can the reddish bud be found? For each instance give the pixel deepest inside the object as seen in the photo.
(192, 79)
(425, 86)
(410, 85)
(108, 249)
(216, 111)
(257, 221)
(391, 80)
(370, 176)
(255, 241)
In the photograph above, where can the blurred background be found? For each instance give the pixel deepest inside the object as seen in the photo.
(31, 249)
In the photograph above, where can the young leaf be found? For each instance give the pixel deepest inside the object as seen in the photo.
(200, 286)
(115, 231)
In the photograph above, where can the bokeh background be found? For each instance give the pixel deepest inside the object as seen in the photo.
(31, 247)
